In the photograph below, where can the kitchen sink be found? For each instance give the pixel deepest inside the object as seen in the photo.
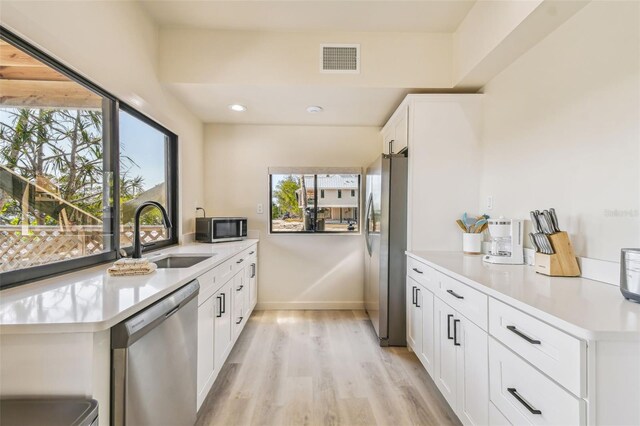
(179, 261)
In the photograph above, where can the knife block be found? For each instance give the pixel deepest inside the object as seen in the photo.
(561, 264)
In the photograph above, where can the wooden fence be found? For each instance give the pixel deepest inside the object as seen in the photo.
(47, 244)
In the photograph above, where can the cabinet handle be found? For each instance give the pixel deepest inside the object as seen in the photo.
(240, 261)
(454, 294)
(522, 401)
(391, 146)
(455, 332)
(449, 316)
(240, 288)
(224, 303)
(250, 253)
(524, 336)
(239, 320)
(417, 298)
(418, 270)
(253, 270)
(413, 295)
(219, 314)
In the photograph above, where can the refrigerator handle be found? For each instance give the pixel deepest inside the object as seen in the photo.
(367, 231)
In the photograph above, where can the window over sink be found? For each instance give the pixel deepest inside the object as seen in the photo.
(68, 183)
(295, 208)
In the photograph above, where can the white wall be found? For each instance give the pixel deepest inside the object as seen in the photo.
(562, 129)
(114, 44)
(296, 271)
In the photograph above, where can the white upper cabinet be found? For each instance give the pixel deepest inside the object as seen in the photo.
(395, 134)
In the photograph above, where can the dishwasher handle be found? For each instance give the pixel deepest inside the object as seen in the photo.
(133, 328)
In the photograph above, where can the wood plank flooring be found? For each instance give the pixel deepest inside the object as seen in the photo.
(321, 368)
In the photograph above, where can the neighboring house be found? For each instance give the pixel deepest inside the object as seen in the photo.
(337, 196)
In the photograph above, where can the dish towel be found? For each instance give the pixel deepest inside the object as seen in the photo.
(125, 266)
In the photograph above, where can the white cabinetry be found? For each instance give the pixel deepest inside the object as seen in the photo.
(395, 134)
(225, 304)
(461, 363)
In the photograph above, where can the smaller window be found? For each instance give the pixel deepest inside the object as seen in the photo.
(339, 193)
(322, 193)
(353, 193)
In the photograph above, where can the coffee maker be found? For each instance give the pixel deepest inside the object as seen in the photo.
(506, 242)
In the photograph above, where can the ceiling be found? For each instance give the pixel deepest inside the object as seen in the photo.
(343, 106)
(310, 15)
(280, 103)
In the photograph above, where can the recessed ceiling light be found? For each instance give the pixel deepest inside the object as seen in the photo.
(314, 109)
(237, 108)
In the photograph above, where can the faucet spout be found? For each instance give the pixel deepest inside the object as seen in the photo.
(137, 243)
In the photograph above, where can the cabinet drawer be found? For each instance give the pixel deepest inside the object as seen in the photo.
(496, 418)
(560, 356)
(464, 299)
(422, 273)
(526, 396)
(208, 286)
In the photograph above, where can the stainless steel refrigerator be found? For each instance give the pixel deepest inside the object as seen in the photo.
(386, 242)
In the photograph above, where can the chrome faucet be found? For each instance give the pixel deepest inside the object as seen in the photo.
(137, 244)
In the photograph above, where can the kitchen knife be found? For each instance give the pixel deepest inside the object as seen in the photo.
(533, 242)
(548, 222)
(534, 221)
(554, 219)
(547, 242)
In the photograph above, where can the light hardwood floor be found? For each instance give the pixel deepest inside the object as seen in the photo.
(321, 368)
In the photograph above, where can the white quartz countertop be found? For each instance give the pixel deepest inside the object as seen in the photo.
(91, 300)
(588, 309)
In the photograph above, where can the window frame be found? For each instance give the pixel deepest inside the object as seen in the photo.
(315, 171)
(111, 154)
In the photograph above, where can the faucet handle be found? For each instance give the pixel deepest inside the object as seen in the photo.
(122, 252)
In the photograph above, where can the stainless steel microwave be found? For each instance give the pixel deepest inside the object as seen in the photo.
(220, 229)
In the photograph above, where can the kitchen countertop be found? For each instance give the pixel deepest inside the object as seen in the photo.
(587, 309)
(91, 300)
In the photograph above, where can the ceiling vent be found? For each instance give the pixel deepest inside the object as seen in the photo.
(340, 58)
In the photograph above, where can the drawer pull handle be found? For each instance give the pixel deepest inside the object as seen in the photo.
(417, 298)
(239, 320)
(251, 253)
(524, 336)
(455, 332)
(239, 288)
(522, 401)
(454, 294)
(240, 261)
(449, 316)
(413, 296)
(418, 270)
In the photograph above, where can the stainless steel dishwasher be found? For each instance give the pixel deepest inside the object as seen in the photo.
(153, 371)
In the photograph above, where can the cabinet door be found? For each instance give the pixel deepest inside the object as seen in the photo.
(473, 371)
(401, 133)
(253, 283)
(426, 355)
(238, 302)
(414, 316)
(205, 363)
(446, 371)
(388, 136)
(222, 330)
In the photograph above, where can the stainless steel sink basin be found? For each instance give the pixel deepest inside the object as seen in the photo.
(179, 261)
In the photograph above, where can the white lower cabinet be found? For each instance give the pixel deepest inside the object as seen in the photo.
(205, 369)
(526, 396)
(461, 364)
(426, 354)
(224, 305)
(223, 330)
(414, 316)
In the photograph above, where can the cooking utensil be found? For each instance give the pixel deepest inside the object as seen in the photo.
(535, 222)
(478, 225)
(549, 222)
(462, 226)
(554, 219)
(533, 241)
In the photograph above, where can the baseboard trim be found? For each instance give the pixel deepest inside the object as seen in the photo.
(312, 306)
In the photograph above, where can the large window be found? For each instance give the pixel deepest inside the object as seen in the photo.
(296, 209)
(61, 207)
